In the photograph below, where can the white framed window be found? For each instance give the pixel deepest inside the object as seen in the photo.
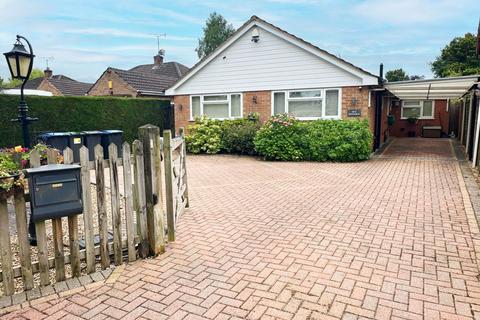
(308, 104)
(420, 109)
(217, 106)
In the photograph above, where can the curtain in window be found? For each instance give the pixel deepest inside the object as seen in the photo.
(196, 107)
(427, 109)
(278, 102)
(331, 103)
(236, 105)
(215, 110)
(306, 108)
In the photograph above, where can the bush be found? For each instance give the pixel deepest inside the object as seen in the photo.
(227, 136)
(204, 136)
(284, 138)
(82, 114)
(278, 139)
(237, 136)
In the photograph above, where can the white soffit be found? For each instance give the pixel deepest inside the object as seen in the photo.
(442, 88)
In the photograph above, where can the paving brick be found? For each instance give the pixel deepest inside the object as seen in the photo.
(387, 238)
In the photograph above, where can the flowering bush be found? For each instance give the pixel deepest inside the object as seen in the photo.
(278, 139)
(14, 160)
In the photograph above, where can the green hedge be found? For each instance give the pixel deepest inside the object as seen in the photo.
(82, 113)
(287, 139)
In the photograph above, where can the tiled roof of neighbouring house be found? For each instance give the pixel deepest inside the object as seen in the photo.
(67, 86)
(168, 69)
(145, 82)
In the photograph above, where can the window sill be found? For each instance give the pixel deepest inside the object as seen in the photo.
(423, 118)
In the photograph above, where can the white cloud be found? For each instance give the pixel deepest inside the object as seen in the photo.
(411, 12)
(122, 33)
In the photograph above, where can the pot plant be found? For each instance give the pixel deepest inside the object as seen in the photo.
(13, 161)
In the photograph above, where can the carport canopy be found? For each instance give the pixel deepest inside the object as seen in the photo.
(441, 88)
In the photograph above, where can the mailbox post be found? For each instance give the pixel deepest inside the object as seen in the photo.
(55, 192)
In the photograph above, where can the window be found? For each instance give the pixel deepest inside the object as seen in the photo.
(421, 109)
(222, 106)
(308, 104)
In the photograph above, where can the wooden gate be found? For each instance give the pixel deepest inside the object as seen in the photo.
(123, 217)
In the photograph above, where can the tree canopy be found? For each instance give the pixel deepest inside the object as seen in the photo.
(400, 75)
(215, 32)
(458, 58)
(12, 83)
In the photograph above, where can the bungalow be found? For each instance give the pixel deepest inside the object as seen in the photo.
(264, 69)
(146, 80)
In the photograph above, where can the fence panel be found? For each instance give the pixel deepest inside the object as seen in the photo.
(87, 240)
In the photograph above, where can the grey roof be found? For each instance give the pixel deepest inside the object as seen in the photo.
(70, 87)
(67, 86)
(169, 69)
(146, 82)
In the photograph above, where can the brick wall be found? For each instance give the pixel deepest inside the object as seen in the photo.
(261, 102)
(401, 127)
(119, 87)
(47, 86)
(258, 101)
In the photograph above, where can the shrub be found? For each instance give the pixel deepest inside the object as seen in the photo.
(284, 138)
(278, 139)
(237, 136)
(204, 136)
(337, 140)
(228, 136)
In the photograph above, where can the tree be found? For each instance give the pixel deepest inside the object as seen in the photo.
(396, 75)
(13, 83)
(215, 32)
(457, 58)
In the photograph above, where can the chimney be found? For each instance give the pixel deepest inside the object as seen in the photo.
(158, 59)
(47, 73)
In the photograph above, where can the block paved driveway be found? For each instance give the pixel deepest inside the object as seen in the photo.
(386, 239)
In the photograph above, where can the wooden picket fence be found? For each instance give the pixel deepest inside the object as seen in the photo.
(139, 230)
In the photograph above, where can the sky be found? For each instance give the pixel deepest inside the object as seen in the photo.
(82, 38)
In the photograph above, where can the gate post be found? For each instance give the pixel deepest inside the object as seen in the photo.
(167, 151)
(150, 137)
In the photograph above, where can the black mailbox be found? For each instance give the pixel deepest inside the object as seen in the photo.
(55, 191)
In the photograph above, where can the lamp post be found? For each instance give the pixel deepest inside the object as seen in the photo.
(20, 63)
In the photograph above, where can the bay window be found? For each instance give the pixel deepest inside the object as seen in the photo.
(308, 104)
(419, 109)
(221, 106)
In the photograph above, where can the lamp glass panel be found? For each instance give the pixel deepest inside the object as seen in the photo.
(236, 105)
(12, 62)
(24, 63)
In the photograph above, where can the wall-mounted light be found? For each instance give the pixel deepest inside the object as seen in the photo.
(354, 101)
(254, 99)
(255, 35)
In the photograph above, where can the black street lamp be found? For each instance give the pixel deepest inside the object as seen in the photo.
(20, 63)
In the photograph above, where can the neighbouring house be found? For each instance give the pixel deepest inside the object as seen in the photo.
(58, 85)
(264, 69)
(146, 80)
